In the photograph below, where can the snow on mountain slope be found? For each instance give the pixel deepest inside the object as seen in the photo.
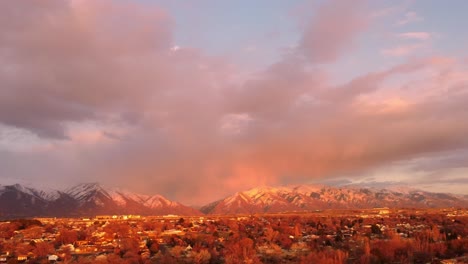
(84, 199)
(93, 199)
(46, 194)
(121, 200)
(157, 201)
(313, 197)
(84, 192)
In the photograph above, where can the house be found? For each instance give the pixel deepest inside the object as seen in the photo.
(81, 243)
(53, 258)
(384, 211)
(22, 257)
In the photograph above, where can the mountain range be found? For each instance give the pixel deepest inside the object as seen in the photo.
(84, 200)
(302, 198)
(91, 199)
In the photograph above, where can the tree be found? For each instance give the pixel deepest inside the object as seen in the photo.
(241, 252)
(177, 251)
(67, 236)
(375, 229)
(201, 257)
(129, 245)
(42, 249)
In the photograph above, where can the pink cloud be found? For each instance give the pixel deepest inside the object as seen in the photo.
(409, 17)
(400, 51)
(415, 35)
(332, 29)
(173, 121)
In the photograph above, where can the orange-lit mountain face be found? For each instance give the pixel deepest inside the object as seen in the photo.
(93, 199)
(304, 198)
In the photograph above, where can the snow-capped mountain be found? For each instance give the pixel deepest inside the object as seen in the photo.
(19, 200)
(45, 194)
(313, 197)
(84, 199)
(96, 198)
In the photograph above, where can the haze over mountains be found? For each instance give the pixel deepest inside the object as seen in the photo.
(92, 199)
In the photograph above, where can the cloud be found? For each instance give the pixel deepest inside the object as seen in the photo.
(175, 48)
(235, 123)
(409, 17)
(441, 162)
(332, 30)
(66, 51)
(401, 50)
(109, 101)
(419, 41)
(415, 35)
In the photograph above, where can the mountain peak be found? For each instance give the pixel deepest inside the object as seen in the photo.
(312, 197)
(86, 191)
(84, 199)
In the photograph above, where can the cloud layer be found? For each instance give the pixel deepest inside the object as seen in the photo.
(101, 94)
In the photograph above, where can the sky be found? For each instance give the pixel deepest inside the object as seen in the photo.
(196, 100)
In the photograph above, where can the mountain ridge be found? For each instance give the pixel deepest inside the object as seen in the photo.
(83, 200)
(87, 199)
(309, 197)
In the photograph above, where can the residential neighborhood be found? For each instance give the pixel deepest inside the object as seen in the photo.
(378, 235)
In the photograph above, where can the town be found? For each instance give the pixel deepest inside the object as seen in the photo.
(379, 235)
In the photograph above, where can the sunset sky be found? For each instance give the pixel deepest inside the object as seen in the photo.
(196, 100)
